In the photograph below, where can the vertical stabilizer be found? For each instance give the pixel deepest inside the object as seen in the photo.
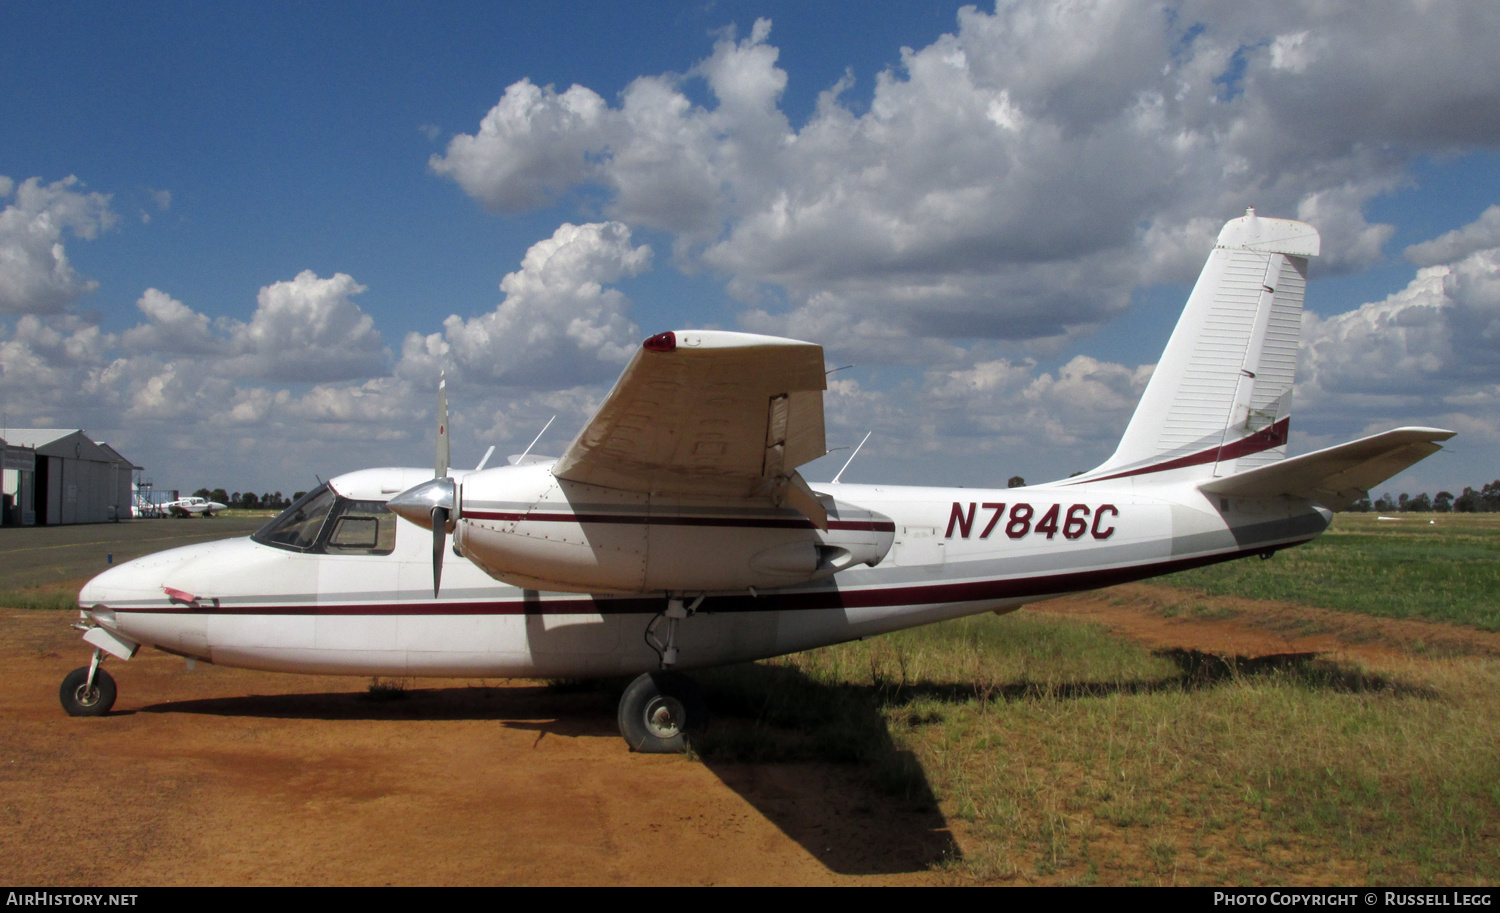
(1219, 401)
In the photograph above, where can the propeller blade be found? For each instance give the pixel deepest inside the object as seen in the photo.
(439, 544)
(442, 428)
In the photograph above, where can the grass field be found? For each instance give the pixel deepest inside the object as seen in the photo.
(1070, 756)
(1439, 567)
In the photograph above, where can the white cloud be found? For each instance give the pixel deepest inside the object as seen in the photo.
(306, 329)
(532, 145)
(1014, 180)
(35, 276)
(1018, 178)
(1004, 406)
(1426, 355)
(1438, 336)
(557, 326)
(171, 327)
(1460, 242)
(304, 384)
(43, 364)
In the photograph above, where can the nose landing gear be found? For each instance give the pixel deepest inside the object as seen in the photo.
(88, 690)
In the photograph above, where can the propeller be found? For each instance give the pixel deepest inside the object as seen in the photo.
(434, 503)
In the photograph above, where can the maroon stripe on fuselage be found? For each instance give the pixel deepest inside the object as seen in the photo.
(804, 600)
(1274, 436)
(879, 526)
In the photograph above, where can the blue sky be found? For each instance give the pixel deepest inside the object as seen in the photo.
(238, 241)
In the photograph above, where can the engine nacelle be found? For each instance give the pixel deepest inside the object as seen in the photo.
(585, 538)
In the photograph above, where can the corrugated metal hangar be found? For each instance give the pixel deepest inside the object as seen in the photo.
(58, 475)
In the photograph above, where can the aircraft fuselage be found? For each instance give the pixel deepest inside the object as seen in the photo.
(952, 552)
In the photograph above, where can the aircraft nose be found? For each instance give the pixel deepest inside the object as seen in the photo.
(131, 583)
(142, 583)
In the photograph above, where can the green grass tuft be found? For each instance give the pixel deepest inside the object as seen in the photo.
(41, 597)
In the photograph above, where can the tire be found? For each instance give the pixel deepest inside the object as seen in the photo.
(77, 702)
(659, 711)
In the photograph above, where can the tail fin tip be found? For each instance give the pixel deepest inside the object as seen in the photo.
(1270, 236)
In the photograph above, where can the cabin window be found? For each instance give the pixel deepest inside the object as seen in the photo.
(323, 523)
(361, 528)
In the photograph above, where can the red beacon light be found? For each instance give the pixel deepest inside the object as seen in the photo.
(661, 342)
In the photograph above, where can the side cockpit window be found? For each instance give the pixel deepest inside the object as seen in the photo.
(322, 523)
(361, 528)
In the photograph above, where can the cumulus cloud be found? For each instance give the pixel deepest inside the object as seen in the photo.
(305, 377)
(1017, 178)
(35, 275)
(1426, 355)
(46, 359)
(171, 326)
(533, 144)
(1438, 336)
(557, 325)
(1008, 406)
(306, 329)
(1459, 243)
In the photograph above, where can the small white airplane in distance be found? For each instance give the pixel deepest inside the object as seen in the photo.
(675, 533)
(191, 505)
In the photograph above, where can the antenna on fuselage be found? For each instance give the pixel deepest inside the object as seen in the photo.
(486, 458)
(851, 457)
(537, 438)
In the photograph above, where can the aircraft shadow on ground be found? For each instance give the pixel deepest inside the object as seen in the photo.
(817, 760)
(843, 814)
(562, 712)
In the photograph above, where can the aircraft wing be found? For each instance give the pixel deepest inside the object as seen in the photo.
(1336, 476)
(708, 413)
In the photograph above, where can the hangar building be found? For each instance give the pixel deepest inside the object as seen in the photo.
(71, 478)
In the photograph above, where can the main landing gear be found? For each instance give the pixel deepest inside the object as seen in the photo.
(658, 712)
(88, 690)
(661, 709)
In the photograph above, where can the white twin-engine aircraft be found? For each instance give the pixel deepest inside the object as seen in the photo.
(675, 533)
(190, 506)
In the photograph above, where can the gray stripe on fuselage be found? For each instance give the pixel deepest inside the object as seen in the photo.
(1242, 537)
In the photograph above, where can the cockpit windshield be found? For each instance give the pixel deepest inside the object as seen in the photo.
(322, 522)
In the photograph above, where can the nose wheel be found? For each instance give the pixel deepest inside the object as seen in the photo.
(659, 711)
(88, 691)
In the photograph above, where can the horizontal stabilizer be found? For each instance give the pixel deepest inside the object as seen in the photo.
(1338, 476)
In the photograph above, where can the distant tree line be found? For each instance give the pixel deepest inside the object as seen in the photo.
(248, 500)
(1485, 500)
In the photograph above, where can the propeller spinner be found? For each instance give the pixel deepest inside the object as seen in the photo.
(433, 505)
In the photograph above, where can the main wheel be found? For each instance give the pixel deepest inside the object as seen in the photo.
(80, 700)
(659, 710)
